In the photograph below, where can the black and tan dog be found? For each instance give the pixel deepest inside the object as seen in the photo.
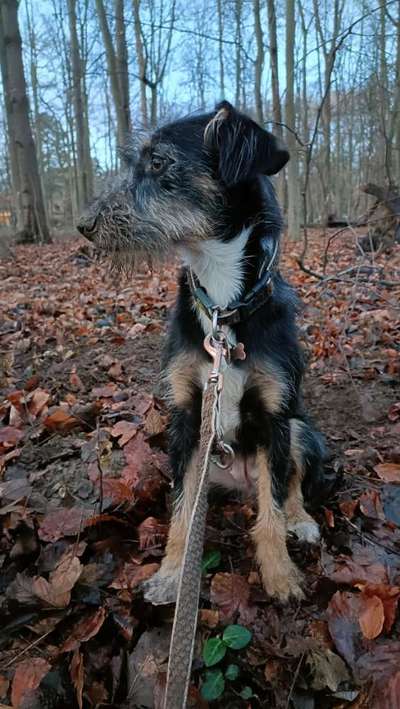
(200, 187)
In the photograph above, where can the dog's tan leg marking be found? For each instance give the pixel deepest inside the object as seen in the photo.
(298, 520)
(270, 381)
(281, 577)
(163, 586)
(183, 376)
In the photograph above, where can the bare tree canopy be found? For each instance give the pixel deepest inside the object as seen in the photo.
(324, 76)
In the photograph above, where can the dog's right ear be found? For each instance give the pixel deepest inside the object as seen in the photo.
(243, 148)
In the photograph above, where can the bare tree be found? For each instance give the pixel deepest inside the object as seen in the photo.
(153, 51)
(273, 55)
(290, 119)
(259, 63)
(117, 66)
(84, 166)
(31, 215)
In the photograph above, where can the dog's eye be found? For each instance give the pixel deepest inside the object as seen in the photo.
(157, 163)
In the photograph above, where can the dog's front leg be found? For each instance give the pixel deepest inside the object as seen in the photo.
(280, 576)
(163, 586)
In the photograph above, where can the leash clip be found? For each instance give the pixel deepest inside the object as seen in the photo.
(217, 348)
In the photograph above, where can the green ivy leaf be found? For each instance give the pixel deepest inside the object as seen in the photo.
(232, 672)
(213, 685)
(213, 651)
(236, 636)
(211, 560)
(246, 693)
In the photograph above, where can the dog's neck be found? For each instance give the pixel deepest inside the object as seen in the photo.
(219, 266)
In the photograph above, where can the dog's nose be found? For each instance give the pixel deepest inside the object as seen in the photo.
(87, 226)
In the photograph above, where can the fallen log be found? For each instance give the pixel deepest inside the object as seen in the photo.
(383, 218)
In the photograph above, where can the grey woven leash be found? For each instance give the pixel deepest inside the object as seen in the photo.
(185, 620)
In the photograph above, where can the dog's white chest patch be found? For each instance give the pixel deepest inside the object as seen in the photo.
(219, 267)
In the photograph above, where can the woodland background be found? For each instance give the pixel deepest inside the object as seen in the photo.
(324, 75)
(84, 475)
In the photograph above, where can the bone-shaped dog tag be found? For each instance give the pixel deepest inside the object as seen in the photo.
(238, 351)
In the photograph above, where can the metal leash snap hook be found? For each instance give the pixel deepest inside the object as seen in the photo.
(226, 456)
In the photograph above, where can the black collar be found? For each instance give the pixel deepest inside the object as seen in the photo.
(240, 310)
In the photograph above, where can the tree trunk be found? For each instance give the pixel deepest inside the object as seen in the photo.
(259, 62)
(113, 69)
(273, 54)
(32, 216)
(221, 49)
(81, 139)
(238, 60)
(122, 63)
(141, 60)
(290, 119)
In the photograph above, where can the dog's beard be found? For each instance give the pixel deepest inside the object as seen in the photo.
(133, 238)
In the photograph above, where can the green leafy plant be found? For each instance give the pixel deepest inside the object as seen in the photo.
(211, 560)
(234, 637)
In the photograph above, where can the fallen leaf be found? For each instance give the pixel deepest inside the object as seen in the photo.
(342, 613)
(155, 422)
(28, 676)
(10, 436)
(57, 590)
(327, 669)
(39, 399)
(131, 575)
(389, 472)
(372, 617)
(231, 593)
(75, 381)
(61, 420)
(86, 628)
(76, 670)
(209, 617)
(371, 504)
(152, 533)
(124, 430)
(389, 595)
(63, 522)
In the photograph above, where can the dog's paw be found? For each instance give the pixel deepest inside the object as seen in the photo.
(283, 581)
(162, 588)
(305, 531)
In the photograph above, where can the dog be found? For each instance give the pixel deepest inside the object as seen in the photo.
(201, 187)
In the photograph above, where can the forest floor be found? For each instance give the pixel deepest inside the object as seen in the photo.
(84, 490)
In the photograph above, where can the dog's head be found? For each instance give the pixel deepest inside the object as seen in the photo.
(182, 184)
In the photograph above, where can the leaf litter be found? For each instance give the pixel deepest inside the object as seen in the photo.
(85, 503)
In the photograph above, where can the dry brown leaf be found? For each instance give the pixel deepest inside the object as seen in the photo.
(209, 618)
(60, 420)
(372, 617)
(57, 591)
(77, 675)
(389, 472)
(85, 629)
(39, 399)
(231, 593)
(131, 575)
(155, 422)
(152, 533)
(63, 522)
(28, 676)
(124, 431)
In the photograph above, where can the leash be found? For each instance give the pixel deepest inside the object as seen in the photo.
(185, 620)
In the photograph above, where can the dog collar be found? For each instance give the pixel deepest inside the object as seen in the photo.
(239, 310)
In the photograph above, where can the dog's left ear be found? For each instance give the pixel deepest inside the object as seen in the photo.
(244, 149)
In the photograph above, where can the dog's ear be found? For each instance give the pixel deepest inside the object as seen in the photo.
(243, 148)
